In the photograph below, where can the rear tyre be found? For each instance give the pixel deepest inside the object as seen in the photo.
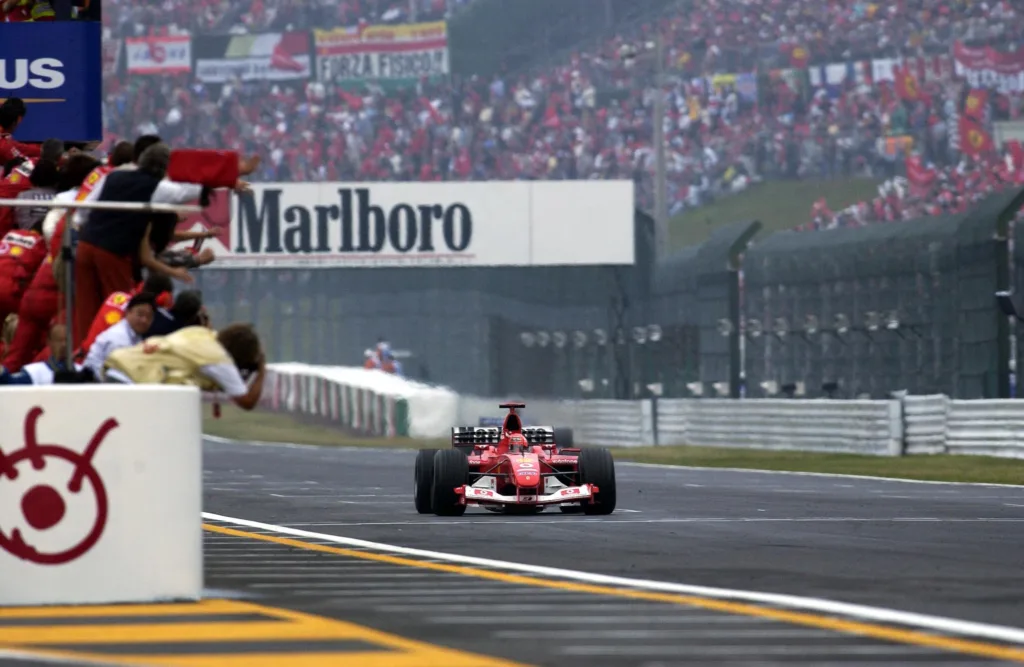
(598, 468)
(451, 470)
(563, 437)
(424, 480)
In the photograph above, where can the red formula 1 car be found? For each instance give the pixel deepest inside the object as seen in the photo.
(514, 470)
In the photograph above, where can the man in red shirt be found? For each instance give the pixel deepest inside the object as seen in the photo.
(21, 253)
(12, 112)
(19, 180)
(41, 303)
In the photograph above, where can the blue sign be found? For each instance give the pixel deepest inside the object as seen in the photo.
(57, 68)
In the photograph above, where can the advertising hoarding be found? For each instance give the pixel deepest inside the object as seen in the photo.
(520, 223)
(57, 68)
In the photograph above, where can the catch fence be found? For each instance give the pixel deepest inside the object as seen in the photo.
(835, 313)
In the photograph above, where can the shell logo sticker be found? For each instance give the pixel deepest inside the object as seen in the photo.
(16, 251)
(119, 299)
(112, 318)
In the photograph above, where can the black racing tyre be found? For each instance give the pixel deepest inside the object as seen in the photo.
(451, 470)
(563, 437)
(598, 467)
(424, 480)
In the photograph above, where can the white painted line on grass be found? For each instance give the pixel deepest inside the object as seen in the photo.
(864, 612)
(900, 480)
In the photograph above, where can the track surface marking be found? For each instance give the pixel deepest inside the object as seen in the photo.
(941, 552)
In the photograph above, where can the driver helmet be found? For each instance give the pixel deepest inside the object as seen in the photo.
(517, 440)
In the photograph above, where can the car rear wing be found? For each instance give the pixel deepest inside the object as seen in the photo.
(487, 435)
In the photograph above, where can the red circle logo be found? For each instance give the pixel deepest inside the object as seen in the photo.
(44, 506)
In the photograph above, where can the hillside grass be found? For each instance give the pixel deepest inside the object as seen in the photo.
(269, 427)
(778, 205)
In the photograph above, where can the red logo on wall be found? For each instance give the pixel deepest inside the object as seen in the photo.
(43, 506)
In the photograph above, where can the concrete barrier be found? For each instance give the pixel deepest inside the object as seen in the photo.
(100, 495)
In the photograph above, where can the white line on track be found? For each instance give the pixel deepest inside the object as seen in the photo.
(572, 521)
(695, 651)
(875, 614)
(26, 656)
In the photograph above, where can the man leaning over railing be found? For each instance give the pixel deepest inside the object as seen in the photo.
(214, 361)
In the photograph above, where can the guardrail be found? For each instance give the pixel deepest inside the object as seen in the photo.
(374, 403)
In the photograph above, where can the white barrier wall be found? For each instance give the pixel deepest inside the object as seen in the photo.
(100, 494)
(361, 400)
(376, 403)
(848, 427)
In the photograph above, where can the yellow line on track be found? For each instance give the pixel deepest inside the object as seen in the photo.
(872, 630)
(282, 625)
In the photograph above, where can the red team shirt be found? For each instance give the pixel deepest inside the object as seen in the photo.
(16, 182)
(21, 253)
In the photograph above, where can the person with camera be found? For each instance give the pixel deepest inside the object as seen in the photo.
(214, 361)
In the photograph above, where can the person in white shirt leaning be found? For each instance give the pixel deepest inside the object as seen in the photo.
(138, 318)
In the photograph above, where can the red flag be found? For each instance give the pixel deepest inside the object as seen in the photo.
(974, 140)
(919, 176)
(798, 56)
(906, 83)
(975, 104)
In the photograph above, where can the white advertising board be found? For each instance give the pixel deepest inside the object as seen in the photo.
(521, 223)
(100, 495)
(159, 54)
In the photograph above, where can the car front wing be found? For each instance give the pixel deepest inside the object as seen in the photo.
(570, 494)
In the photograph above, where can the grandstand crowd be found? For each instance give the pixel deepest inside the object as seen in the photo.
(755, 90)
(558, 121)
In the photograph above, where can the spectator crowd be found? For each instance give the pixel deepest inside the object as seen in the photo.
(751, 95)
(589, 115)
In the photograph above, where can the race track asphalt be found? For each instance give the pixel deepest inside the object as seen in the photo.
(950, 550)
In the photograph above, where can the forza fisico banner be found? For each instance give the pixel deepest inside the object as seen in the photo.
(386, 55)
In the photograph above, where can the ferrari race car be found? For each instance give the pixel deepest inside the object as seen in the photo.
(515, 470)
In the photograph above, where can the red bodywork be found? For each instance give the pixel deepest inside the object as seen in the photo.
(520, 470)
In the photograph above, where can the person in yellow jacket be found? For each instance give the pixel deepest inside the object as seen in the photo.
(197, 356)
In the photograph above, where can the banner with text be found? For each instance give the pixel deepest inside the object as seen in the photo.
(985, 67)
(386, 55)
(57, 69)
(158, 54)
(272, 56)
(536, 223)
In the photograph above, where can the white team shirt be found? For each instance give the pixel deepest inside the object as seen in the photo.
(116, 337)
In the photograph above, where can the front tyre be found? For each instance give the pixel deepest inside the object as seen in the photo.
(424, 480)
(451, 470)
(598, 468)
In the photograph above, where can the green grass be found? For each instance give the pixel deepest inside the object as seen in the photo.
(269, 427)
(778, 205)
